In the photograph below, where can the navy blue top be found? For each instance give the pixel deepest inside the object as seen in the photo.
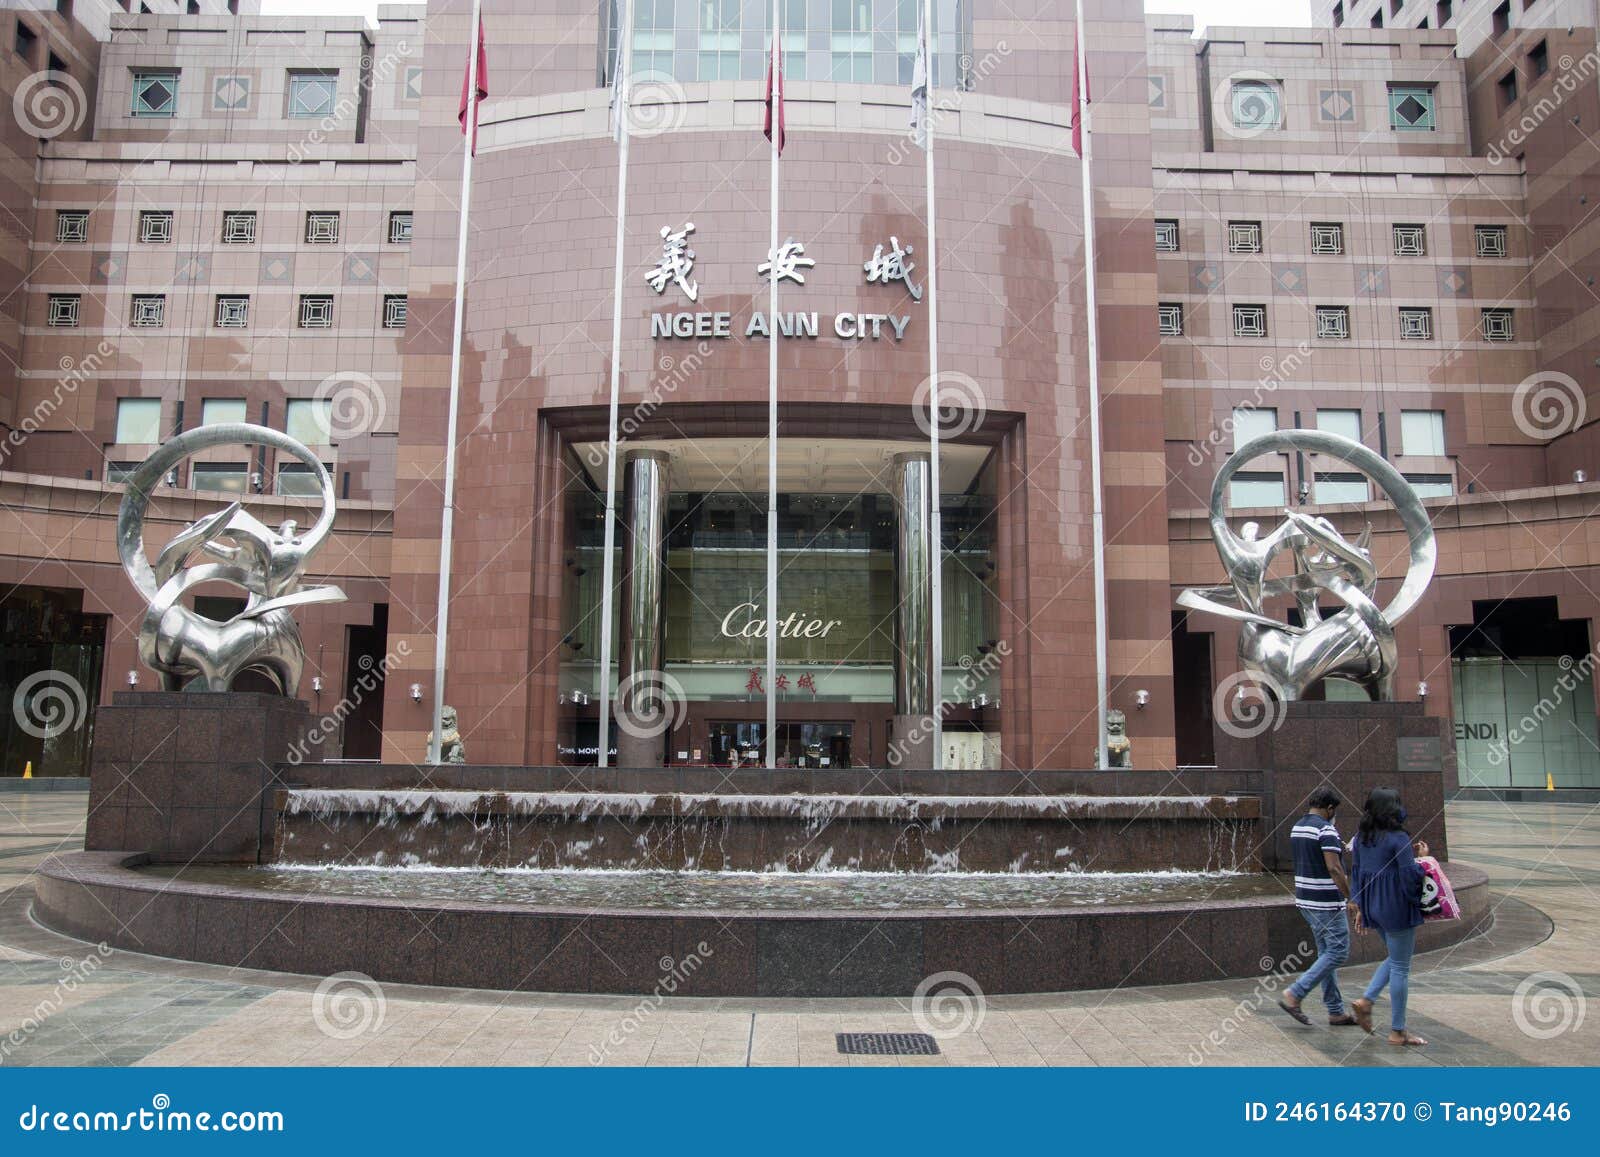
(1309, 839)
(1387, 882)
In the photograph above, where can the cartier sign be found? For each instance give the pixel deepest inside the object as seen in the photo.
(746, 621)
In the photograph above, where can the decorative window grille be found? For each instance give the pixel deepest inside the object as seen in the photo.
(149, 311)
(155, 227)
(1333, 322)
(239, 228)
(1410, 241)
(1166, 236)
(1244, 237)
(322, 228)
(316, 311)
(1490, 240)
(1327, 239)
(63, 310)
(394, 311)
(1498, 325)
(233, 311)
(1416, 325)
(400, 227)
(72, 225)
(1249, 321)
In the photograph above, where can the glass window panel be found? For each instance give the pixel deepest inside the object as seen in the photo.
(1346, 423)
(1247, 490)
(139, 421)
(1422, 433)
(226, 477)
(216, 411)
(1252, 423)
(308, 420)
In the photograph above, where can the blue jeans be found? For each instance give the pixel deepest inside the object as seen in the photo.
(1331, 931)
(1395, 971)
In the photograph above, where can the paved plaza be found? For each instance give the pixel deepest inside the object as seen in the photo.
(1512, 997)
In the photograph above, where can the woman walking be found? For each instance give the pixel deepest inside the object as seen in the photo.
(1386, 884)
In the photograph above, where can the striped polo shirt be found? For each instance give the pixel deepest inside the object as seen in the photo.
(1313, 883)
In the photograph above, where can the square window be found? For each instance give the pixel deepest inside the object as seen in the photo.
(1166, 236)
(394, 311)
(155, 227)
(221, 477)
(1422, 433)
(1244, 237)
(1255, 488)
(63, 310)
(1345, 423)
(400, 227)
(1489, 240)
(239, 228)
(316, 311)
(1410, 241)
(221, 411)
(1498, 325)
(1327, 238)
(1250, 423)
(72, 225)
(322, 228)
(312, 94)
(138, 421)
(149, 311)
(155, 93)
(309, 421)
(233, 311)
(1249, 321)
(1333, 322)
(1170, 319)
(1416, 324)
(1411, 108)
(1256, 106)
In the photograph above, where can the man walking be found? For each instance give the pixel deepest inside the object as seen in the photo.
(1321, 892)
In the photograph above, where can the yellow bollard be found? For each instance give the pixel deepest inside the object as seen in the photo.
(1549, 782)
(27, 772)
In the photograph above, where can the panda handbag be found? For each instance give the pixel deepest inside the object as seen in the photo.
(1438, 897)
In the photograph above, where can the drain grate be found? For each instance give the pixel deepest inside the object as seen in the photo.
(887, 1044)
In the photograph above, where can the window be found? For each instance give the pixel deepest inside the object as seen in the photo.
(1506, 87)
(1327, 238)
(1333, 322)
(155, 93)
(1489, 240)
(72, 225)
(1501, 21)
(149, 311)
(233, 310)
(1257, 106)
(1249, 321)
(1250, 423)
(308, 420)
(1411, 107)
(224, 477)
(312, 94)
(63, 310)
(1338, 14)
(298, 480)
(155, 227)
(1498, 325)
(1410, 240)
(1539, 59)
(322, 228)
(1331, 487)
(1253, 488)
(1244, 237)
(1442, 12)
(239, 228)
(221, 411)
(394, 311)
(400, 227)
(1422, 433)
(1170, 319)
(1345, 423)
(1167, 236)
(1416, 323)
(27, 39)
(316, 311)
(118, 473)
(138, 421)
(1431, 485)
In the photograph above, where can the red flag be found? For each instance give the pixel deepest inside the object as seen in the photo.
(775, 94)
(1080, 97)
(483, 89)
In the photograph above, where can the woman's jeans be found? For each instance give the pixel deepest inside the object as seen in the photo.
(1395, 972)
(1331, 931)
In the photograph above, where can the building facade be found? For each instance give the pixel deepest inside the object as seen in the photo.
(1355, 228)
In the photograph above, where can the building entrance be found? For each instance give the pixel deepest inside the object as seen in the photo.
(799, 744)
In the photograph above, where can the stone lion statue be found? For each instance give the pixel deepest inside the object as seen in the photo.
(1119, 750)
(451, 749)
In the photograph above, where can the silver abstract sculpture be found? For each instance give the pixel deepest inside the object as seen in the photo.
(1356, 642)
(188, 650)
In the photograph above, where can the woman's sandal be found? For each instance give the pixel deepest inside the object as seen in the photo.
(1407, 1040)
(1362, 1011)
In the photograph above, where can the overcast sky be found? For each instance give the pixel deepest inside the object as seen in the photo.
(1204, 11)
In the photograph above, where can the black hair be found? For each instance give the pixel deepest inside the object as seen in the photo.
(1382, 813)
(1324, 797)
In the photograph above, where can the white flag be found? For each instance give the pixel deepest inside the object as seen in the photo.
(919, 88)
(617, 108)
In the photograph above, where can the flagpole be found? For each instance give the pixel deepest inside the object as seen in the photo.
(1102, 676)
(935, 515)
(608, 563)
(469, 142)
(776, 114)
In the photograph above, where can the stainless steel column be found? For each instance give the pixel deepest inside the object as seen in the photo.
(914, 691)
(641, 697)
